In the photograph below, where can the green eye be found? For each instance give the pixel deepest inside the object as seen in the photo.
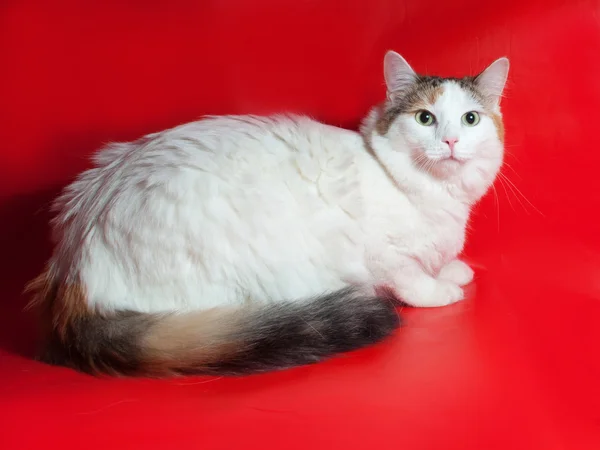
(425, 118)
(471, 118)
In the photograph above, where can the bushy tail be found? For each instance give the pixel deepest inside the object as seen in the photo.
(225, 341)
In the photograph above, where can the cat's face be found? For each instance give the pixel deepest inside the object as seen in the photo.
(450, 130)
(448, 126)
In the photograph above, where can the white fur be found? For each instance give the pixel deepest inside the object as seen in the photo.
(233, 209)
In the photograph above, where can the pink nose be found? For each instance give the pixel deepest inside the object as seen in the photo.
(450, 142)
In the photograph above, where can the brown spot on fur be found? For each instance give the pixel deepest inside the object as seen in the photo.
(126, 342)
(499, 124)
(433, 93)
(59, 303)
(79, 337)
(383, 121)
(199, 339)
(424, 92)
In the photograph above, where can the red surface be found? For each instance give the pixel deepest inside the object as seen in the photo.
(515, 366)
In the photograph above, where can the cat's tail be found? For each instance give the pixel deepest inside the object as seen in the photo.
(224, 341)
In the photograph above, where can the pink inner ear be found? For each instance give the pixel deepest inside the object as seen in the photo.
(493, 79)
(397, 72)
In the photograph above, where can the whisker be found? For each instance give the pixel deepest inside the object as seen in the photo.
(512, 155)
(429, 164)
(510, 167)
(422, 162)
(497, 206)
(521, 193)
(514, 193)
(502, 183)
(420, 158)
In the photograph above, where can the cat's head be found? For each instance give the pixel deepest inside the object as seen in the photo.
(446, 125)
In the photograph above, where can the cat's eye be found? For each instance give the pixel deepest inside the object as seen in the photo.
(425, 118)
(471, 118)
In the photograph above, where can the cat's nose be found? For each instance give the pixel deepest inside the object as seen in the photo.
(451, 142)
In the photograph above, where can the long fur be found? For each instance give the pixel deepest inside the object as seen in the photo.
(223, 341)
(241, 244)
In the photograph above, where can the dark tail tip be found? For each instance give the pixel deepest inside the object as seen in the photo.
(98, 344)
(291, 334)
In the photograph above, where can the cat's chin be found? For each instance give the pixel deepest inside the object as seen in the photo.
(445, 168)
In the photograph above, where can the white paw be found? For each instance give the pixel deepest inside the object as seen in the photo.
(446, 294)
(433, 293)
(456, 272)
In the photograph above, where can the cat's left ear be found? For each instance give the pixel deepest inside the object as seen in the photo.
(492, 80)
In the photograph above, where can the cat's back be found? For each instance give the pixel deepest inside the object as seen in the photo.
(213, 155)
(231, 195)
(242, 155)
(248, 158)
(237, 140)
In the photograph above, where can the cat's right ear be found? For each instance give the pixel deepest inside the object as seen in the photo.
(398, 74)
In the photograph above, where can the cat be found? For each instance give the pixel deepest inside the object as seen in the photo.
(243, 244)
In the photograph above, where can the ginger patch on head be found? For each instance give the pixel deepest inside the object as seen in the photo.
(424, 92)
(499, 124)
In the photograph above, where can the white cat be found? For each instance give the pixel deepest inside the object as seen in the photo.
(242, 244)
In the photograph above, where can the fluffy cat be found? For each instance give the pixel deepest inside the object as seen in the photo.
(243, 244)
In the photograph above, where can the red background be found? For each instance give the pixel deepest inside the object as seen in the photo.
(515, 366)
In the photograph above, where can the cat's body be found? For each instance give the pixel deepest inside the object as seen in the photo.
(198, 249)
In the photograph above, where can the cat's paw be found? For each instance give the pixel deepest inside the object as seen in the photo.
(456, 272)
(431, 293)
(446, 293)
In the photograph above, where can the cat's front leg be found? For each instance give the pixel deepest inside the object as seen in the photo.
(457, 272)
(417, 288)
